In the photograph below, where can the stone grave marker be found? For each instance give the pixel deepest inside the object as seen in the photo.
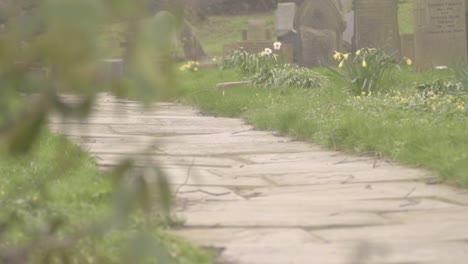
(256, 31)
(285, 31)
(284, 19)
(440, 32)
(318, 46)
(321, 26)
(348, 34)
(376, 25)
(255, 39)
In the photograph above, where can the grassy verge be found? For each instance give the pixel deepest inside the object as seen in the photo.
(58, 183)
(431, 136)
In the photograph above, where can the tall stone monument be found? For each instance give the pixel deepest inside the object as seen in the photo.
(376, 25)
(440, 32)
(320, 25)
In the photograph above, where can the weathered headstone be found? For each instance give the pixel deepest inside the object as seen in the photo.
(255, 39)
(256, 31)
(192, 47)
(285, 31)
(318, 45)
(321, 26)
(348, 34)
(440, 32)
(376, 25)
(284, 18)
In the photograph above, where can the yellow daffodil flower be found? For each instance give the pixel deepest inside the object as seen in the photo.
(364, 64)
(346, 56)
(409, 62)
(341, 64)
(358, 52)
(337, 55)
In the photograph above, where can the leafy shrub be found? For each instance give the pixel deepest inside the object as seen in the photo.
(267, 69)
(252, 63)
(289, 76)
(365, 71)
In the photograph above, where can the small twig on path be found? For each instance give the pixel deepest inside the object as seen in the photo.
(410, 192)
(206, 192)
(242, 131)
(189, 170)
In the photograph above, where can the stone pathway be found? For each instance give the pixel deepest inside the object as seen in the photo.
(260, 198)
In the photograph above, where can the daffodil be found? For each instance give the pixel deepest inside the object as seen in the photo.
(337, 55)
(346, 56)
(341, 64)
(409, 62)
(277, 45)
(364, 63)
(358, 52)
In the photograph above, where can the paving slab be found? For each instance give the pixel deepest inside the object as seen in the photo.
(259, 198)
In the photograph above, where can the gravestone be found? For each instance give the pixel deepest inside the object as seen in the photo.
(321, 26)
(376, 25)
(348, 34)
(256, 31)
(318, 46)
(255, 39)
(285, 31)
(284, 19)
(440, 32)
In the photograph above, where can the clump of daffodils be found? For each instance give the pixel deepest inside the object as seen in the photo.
(191, 66)
(364, 70)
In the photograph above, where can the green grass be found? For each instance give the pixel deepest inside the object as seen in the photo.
(59, 181)
(434, 140)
